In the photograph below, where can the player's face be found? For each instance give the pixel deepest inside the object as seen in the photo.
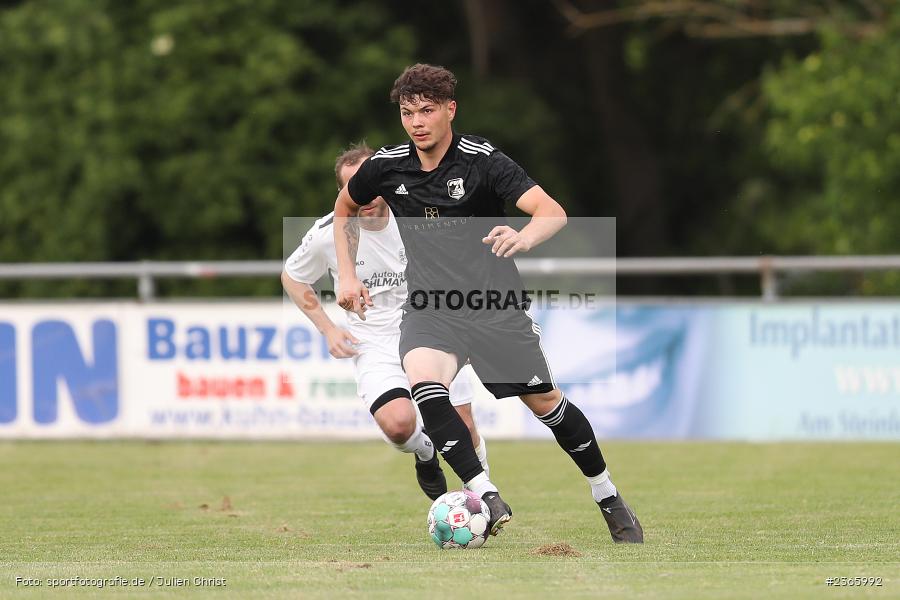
(427, 122)
(375, 209)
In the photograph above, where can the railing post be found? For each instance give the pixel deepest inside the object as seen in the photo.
(768, 279)
(146, 285)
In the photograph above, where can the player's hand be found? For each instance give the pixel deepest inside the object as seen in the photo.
(341, 342)
(353, 296)
(506, 241)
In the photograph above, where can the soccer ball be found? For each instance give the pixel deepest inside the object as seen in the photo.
(458, 520)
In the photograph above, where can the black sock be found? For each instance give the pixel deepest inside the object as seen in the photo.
(446, 429)
(575, 435)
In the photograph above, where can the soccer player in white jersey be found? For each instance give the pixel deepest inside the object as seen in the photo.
(373, 343)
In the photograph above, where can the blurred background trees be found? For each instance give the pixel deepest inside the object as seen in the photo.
(182, 130)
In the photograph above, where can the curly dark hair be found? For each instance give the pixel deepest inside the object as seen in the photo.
(426, 81)
(349, 157)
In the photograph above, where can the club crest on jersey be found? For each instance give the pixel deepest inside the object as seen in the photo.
(431, 212)
(455, 188)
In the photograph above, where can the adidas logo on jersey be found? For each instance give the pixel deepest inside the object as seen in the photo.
(401, 190)
(535, 381)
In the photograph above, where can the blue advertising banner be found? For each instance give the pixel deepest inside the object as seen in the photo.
(735, 371)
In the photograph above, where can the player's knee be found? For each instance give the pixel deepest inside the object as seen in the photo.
(541, 404)
(428, 364)
(399, 428)
(418, 375)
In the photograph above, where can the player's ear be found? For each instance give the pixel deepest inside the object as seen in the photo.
(451, 108)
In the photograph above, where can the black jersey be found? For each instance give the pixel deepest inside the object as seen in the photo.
(444, 214)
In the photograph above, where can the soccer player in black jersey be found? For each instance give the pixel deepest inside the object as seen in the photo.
(448, 192)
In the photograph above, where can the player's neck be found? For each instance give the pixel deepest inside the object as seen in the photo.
(431, 158)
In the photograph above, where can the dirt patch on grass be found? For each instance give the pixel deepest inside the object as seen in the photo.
(343, 565)
(557, 549)
(226, 507)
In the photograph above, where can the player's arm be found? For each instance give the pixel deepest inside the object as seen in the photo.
(340, 341)
(352, 295)
(547, 218)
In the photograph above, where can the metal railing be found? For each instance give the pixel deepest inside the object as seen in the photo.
(768, 268)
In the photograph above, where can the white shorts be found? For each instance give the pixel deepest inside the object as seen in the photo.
(378, 372)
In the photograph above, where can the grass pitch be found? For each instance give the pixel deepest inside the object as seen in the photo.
(325, 520)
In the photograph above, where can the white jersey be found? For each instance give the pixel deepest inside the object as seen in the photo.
(380, 265)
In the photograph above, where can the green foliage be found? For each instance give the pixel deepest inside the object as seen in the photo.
(184, 130)
(134, 130)
(834, 137)
(520, 124)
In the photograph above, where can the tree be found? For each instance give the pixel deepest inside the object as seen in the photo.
(181, 130)
(835, 134)
(717, 19)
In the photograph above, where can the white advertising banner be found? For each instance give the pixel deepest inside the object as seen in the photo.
(249, 370)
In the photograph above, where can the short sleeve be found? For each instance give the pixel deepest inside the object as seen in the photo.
(307, 264)
(363, 186)
(506, 178)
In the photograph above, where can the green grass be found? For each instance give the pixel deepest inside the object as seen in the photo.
(323, 520)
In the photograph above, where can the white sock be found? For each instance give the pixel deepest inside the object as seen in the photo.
(480, 484)
(481, 453)
(602, 486)
(419, 443)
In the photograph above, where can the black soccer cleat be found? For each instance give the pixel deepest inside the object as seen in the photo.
(500, 511)
(430, 476)
(623, 524)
